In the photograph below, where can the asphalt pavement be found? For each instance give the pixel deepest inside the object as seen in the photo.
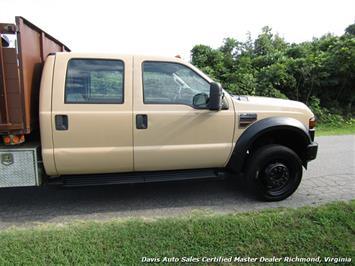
(329, 178)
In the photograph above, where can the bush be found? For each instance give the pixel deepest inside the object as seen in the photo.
(325, 116)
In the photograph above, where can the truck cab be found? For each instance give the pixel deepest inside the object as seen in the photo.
(111, 113)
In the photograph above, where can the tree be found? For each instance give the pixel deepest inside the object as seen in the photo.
(319, 72)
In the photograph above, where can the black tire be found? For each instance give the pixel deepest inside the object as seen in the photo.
(273, 172)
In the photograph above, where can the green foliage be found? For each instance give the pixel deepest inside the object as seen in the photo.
(324, 115)
(347, 128)
(106, 84)
(320, 73)
(350, 29)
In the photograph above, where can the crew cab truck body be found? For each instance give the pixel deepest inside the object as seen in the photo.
(110, 119)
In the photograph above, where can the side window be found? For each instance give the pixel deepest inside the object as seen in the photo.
(171, 83)
(94, 81)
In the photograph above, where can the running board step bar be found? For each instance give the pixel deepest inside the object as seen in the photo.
(140, 177)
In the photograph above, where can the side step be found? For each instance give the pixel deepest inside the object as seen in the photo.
(140, 177)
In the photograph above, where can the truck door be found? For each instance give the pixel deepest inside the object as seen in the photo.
(92, 114)
(169, 133)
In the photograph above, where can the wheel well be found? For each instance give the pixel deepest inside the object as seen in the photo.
(289, 138)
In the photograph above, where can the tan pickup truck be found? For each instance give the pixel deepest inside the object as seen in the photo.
(110, 119)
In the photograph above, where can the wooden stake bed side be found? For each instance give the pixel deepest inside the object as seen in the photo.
(20, 75)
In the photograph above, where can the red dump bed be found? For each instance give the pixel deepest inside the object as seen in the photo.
(20, 74)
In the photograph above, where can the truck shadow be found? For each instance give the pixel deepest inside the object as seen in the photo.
(56, 204)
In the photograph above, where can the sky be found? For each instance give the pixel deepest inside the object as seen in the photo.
(172, 27)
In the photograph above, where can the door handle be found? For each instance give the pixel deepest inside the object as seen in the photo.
(61, 122)
(141, 121)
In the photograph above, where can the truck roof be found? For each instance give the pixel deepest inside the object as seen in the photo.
(116, 55)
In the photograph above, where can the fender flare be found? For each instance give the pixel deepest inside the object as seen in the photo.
(259, 128)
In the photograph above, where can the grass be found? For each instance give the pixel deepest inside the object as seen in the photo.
(327, 230)
(329, 129)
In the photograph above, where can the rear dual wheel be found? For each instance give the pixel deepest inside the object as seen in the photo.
(274, 172)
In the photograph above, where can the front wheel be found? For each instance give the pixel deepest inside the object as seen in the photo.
(274, 172)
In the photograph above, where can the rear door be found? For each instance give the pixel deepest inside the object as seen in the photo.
(92, 114)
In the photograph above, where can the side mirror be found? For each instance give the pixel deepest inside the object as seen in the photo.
(215, 99)
(200, 101)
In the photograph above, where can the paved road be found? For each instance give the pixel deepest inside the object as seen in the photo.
(330, 177)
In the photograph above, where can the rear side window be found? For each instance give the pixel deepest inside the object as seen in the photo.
(94, 81)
